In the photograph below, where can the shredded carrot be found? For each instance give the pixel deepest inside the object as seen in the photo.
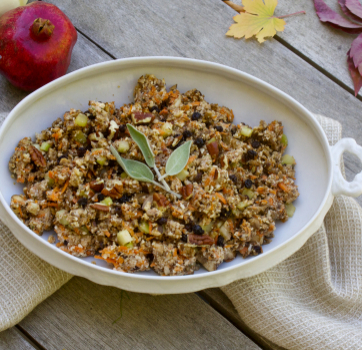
(260, 189)
(221, 197)
(194, 104)
(52, 205)
(175, 252)
(150, 226)
(149, 238)
(107, 233)
(79, 250)
(283, 187)
(21, 213)
(65, 187)
(191, 159)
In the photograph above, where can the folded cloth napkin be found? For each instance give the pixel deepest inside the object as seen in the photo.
(311, 300)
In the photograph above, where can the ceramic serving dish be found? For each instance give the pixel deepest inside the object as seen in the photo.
(317, 170)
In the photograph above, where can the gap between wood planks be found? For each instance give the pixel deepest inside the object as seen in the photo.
(33, 342)
(277, 38)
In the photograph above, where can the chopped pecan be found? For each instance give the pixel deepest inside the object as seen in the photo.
(213, 149)
(186, 191)
(37, 157)
(201, 240)
(142, 118)
(160, 199)
(115, 192)
(100, 207)
(97, 186)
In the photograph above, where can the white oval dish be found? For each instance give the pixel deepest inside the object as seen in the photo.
(251, 99)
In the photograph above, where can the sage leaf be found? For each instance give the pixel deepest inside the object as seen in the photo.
(134, 169)
(143, 144)
(178, 159)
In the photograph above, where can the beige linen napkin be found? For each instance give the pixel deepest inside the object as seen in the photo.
(312, 300)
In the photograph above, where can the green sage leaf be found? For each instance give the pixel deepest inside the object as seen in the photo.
(134, 169)
(178, 159)
(143, 144)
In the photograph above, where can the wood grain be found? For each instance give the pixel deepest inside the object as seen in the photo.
(80, 316)
(197, 29)
(11, 339)
(220, 302)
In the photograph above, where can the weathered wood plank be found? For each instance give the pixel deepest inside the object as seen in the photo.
(12, 340)
(85, 53)
(325, 46)
(80, 316)
(197, 29)
(220, 302)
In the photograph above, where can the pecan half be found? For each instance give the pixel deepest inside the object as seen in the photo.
(201, 240)
(160, 199)
(142, 118)
(100, 207)
(186, 191)
(37, 157)
(213, 149)
(97, 186)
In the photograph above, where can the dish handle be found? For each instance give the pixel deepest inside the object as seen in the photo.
(340, 185)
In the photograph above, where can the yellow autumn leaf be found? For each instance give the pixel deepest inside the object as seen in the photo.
(257, 20)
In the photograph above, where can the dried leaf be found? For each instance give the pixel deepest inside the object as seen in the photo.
(348, 13)
(178, 159)
(356, 53)
(355, 75)
(133, 168)
(257, 20)
(355, 8)
(37, 157)
(143, 144)
(327, 15)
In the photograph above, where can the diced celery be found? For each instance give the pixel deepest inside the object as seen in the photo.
(61, 218)
(60, 213)
(81, 120)
(208, 228)
(123, 237)
(124, 176)
(249, 193)
(107, 201)
(211, 141)
(167, 129)
(84, 230)
(144, 227)
(287, 159)
(122, 146)
(242, 205)
(45, 146)
(246, 131)
(51, 182)
(101, 160)
(290, 208)
(129, 245)
(225, 231)
(284, 140)
(80, 137)
(182, 175)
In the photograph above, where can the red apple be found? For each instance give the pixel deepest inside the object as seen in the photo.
(36, 43)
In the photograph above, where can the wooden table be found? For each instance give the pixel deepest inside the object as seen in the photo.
(307, 60)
